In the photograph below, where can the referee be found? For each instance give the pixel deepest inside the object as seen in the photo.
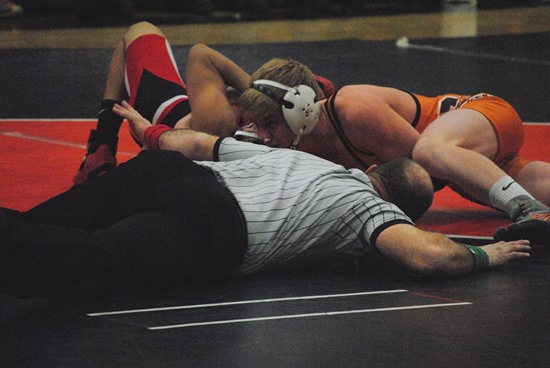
(162, 220)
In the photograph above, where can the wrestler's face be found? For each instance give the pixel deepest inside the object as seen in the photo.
(274, 131)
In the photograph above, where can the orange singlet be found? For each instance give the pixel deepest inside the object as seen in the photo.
(502, 116)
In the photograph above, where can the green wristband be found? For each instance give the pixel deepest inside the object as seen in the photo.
(481, 259)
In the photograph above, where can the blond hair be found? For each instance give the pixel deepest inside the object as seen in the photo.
(257, 106)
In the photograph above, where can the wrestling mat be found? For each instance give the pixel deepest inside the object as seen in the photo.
(39, 158)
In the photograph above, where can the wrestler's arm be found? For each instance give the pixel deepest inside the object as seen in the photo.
(373, 120)
(195, 145)
(434, 254)
(192, 144)
(208, 74)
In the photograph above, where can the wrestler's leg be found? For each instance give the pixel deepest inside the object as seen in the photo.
(463, 145)
(535, 178)
(102, 143)
(153, 82)
(459, 146)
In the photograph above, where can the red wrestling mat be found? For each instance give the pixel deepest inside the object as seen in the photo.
(39, 157)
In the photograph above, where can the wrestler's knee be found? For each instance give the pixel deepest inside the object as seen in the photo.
(428, 152)
(198, 52)
(139, 29)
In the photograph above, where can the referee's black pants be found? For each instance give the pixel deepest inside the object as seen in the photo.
(159, 220)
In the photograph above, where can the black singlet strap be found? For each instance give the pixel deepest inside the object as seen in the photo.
(335, 121)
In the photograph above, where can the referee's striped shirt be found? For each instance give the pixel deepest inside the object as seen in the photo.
(299, 207)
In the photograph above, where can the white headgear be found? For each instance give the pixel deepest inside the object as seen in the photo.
(299, 105)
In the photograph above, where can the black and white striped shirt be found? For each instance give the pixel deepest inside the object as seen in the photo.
(299, 207)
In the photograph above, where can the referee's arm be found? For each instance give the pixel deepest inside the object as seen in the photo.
(435, 254)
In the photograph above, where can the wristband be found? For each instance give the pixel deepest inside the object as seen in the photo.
(481, 259)
(152, 134)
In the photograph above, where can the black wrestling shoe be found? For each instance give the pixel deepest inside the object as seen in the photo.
(532, 222)
(536, 231)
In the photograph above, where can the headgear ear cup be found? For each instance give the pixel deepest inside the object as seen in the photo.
(299, 107)
(303, 116)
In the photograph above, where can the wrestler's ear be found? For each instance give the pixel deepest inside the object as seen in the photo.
(371, 168)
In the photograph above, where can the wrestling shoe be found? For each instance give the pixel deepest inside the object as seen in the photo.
(532, 222)
(99, 158)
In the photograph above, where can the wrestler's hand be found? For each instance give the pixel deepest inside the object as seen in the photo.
(503, 252)
(138, 124)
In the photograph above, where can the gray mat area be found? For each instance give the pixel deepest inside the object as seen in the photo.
(69, 83)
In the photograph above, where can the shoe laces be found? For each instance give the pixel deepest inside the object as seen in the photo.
(543, 216)
(528, 209)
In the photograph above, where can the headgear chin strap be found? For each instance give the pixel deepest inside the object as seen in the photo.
(300, 110)
(297, 139)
